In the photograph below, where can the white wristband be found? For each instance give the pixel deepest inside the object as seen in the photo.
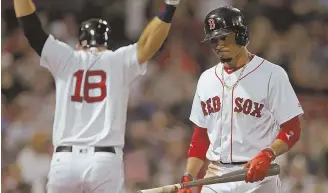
(172, 2)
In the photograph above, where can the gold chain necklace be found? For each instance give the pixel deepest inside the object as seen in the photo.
(234, 85)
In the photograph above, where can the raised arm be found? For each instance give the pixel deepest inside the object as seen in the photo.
(26, 14)
(156, 32)
(54, 54)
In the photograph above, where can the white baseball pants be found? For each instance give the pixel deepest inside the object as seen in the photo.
(86, 171)
(268, 185)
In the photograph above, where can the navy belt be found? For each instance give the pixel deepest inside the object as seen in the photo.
(234, 163)
(108, 149)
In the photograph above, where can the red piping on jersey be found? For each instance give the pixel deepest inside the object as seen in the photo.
(233, 89)
(221, 102)
(231, 118)
(218, 76)
(231, 122)
(222, 113)
(252, 70)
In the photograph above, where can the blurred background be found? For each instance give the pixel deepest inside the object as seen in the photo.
(290, 33)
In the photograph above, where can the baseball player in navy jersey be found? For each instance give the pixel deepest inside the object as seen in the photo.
(92, 89)
(245, 111)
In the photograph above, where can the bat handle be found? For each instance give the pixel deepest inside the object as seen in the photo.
(163, 189)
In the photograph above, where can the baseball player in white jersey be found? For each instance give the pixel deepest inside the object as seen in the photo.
(92, 89)
(245, 111)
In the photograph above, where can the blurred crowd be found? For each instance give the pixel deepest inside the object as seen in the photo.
(290, 33)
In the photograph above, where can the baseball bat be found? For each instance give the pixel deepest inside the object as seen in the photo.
(238, 175)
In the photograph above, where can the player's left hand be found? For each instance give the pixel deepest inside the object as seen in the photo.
(259, 165)
(186, 178)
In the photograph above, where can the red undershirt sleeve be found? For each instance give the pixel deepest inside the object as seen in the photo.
(290, 131)
(199, 143)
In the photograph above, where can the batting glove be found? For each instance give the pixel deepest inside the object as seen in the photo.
(172, 2)
(186, 178)
(259, 165)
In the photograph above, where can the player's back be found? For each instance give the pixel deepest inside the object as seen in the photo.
(92, 90)
(90, 99)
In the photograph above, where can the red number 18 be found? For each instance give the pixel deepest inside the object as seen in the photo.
(89, 86)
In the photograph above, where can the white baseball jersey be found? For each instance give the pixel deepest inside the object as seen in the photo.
(92, 90)
(242, 121)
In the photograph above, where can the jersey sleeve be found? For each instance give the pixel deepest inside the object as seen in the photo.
(55, 55)
(283, 102)
(197, 116)
(131, 67)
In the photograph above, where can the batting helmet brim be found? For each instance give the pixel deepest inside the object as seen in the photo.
(217, 34)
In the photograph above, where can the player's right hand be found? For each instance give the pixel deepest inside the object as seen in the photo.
(186, 178)
(259, 165)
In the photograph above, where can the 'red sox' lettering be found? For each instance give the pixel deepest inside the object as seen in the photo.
(246, 106)
(212, 105)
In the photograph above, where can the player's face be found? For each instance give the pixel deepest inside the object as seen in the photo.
(225, 46)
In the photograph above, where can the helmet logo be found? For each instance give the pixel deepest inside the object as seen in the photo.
(211, 23)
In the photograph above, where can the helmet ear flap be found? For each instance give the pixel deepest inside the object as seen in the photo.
(242, 36)
(83, 39)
